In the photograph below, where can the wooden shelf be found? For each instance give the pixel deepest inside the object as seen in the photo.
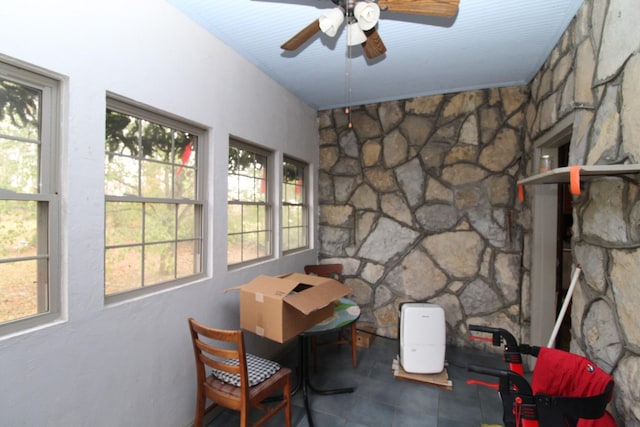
(573, 175)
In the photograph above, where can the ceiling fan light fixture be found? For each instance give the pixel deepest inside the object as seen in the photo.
(355, 35)
(331, 21)
(367, 14)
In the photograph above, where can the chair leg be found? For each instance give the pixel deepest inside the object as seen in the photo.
(287, 408)
(354, 350)
(244, 417)
(201, 402)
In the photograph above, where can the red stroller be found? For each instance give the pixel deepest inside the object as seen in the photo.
(566, 390)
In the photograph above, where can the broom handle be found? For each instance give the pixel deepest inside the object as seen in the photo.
(565, 304)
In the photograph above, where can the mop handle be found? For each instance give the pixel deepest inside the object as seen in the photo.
(565, 304)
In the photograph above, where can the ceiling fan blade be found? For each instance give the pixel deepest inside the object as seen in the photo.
(444, 8)
(373, 46)
(305, 34)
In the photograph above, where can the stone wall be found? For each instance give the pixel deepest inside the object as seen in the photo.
(593, 75)
(418, 202)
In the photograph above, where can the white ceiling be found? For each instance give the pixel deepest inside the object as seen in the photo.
(490, 43)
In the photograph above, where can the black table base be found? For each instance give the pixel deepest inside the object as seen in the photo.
(304, 380)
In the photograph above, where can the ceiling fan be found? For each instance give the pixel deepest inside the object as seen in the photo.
(362, 19)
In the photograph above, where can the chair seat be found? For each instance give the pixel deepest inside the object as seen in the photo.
(233, 391)
(258, 369)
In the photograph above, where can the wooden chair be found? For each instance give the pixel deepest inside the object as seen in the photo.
(213, 346)
(333, 271)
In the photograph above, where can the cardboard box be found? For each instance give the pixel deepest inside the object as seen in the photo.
(365, 335)
(279, 308)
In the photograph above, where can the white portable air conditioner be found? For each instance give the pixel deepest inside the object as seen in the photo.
(422, 338)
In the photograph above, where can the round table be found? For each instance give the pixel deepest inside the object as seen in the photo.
(345, 312)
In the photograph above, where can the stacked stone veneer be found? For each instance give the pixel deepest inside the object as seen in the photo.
(418, 199)
(593, 75)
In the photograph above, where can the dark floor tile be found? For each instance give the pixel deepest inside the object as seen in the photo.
(338, 404)
(226, 419)
(381, 370)
(321, 419)
(462, 388)
(445, 422)
(278, 420)
(380, 400)
(339, 380)
(370, 413)
(379, 391)
(418, 399)
(404, 419)
(491, 405)
(461, 409)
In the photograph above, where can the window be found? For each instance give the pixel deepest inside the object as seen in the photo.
(295, 228)
(249, 210)
(29, 266)
(154, 210)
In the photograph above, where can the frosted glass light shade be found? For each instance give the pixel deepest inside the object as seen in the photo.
(367, 14)
(331, 21)
(355, 35)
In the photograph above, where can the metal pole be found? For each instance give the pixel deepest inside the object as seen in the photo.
(565, 304)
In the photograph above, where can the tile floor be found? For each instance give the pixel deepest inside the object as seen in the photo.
(381, 400)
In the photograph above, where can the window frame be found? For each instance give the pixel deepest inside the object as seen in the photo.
(304, 205)
(268, 203)
(128, 107)
(50, 293)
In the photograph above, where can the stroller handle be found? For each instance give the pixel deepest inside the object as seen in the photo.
(507, 378)
(512, 352)
(498, 334)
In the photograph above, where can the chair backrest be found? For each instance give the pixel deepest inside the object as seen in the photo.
(211, 347)
(332, 271)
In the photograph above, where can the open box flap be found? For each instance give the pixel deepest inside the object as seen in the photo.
(305, 278)
(268, 285)
(319, 294)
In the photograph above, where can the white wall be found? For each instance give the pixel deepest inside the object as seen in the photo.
(131, 364)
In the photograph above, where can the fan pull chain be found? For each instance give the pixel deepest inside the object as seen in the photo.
(347, 109)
